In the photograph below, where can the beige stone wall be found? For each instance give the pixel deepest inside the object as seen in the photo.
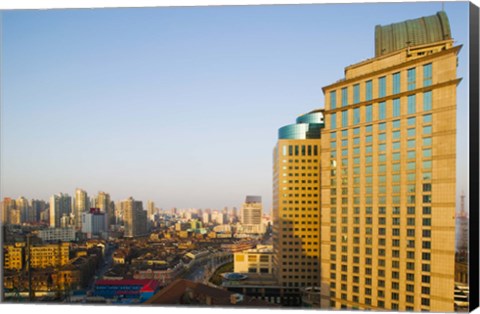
(349, 229)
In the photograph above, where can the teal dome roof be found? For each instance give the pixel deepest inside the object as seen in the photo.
(415, 32)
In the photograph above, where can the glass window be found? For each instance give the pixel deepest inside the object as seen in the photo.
(427, 130)
(368, 149)
(427, 141)
(411, 155)
(333, 135)
(333, 99)
(344, 143)
(382, 137)
(344, 96)
(368, 139)
(427, 152)
(381, 147)
(368, 113)
(382, 126)
(411, 143)
(382, 110)
(396, 145)
(356, 141)
(368, 90)
(356, 116)
(345, 118)
(382, 86)
(427, 74)
(333, 120)
(396, 156)
(427, 118)
(382, 158)
(396, 107)
(411, 132)
(356, 93)
(411, 77)
(396, 83)
(411, 121)
(427, 101)
(396, 124)
(368, 128)
(396, 134)
(356, 131)
(427, 164)
(411, 104)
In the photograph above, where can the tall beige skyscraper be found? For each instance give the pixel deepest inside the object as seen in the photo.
(60, 206)
(24, 210)
(106, 206)
(252, 210)
(81, 206)
(134, 218)
(388, 173)
(296, 206)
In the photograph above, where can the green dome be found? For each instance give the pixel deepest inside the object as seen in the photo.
(415, 32)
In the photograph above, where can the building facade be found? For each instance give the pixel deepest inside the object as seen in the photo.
(258, 260)
(81, 206)
(60, 206)
(134, 218)
(296, 204)
(49, 255)
(57, 234)
(93, 223)
(388, 173)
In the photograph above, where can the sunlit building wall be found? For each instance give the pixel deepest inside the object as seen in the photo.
(296, 204)
(388, 173)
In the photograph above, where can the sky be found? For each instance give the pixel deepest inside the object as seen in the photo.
(179, 105)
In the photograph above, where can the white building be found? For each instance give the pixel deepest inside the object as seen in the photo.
(57, 234)
(93, 223)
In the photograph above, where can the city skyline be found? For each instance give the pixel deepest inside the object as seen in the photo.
(132, 112)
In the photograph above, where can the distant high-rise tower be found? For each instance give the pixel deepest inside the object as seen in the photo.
(150, 209)
(10, 213)
(252, 210)
(60, 206)
(388, 173)
(296, 205)
(134, 218)
(25, 210)
(81, 206)
(106, 206)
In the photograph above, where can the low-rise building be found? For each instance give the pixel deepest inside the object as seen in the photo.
(258, 260)
(57, 234)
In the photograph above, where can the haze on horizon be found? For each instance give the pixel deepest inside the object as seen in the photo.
(179, 105)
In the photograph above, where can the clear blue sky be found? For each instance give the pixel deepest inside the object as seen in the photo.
(179, 105)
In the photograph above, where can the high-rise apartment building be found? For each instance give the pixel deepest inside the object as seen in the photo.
(81, 206)
(388, 174)
(93, 223)
(252, 210)
(25, 210)
(60, 206)
(134, 218)
(251, 215)
(11, 214)
(38, 207)
(296, 205)
(106, 206)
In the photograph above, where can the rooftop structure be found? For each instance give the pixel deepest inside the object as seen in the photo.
(421, 31)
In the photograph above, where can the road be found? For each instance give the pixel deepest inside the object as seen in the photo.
(202, 271)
